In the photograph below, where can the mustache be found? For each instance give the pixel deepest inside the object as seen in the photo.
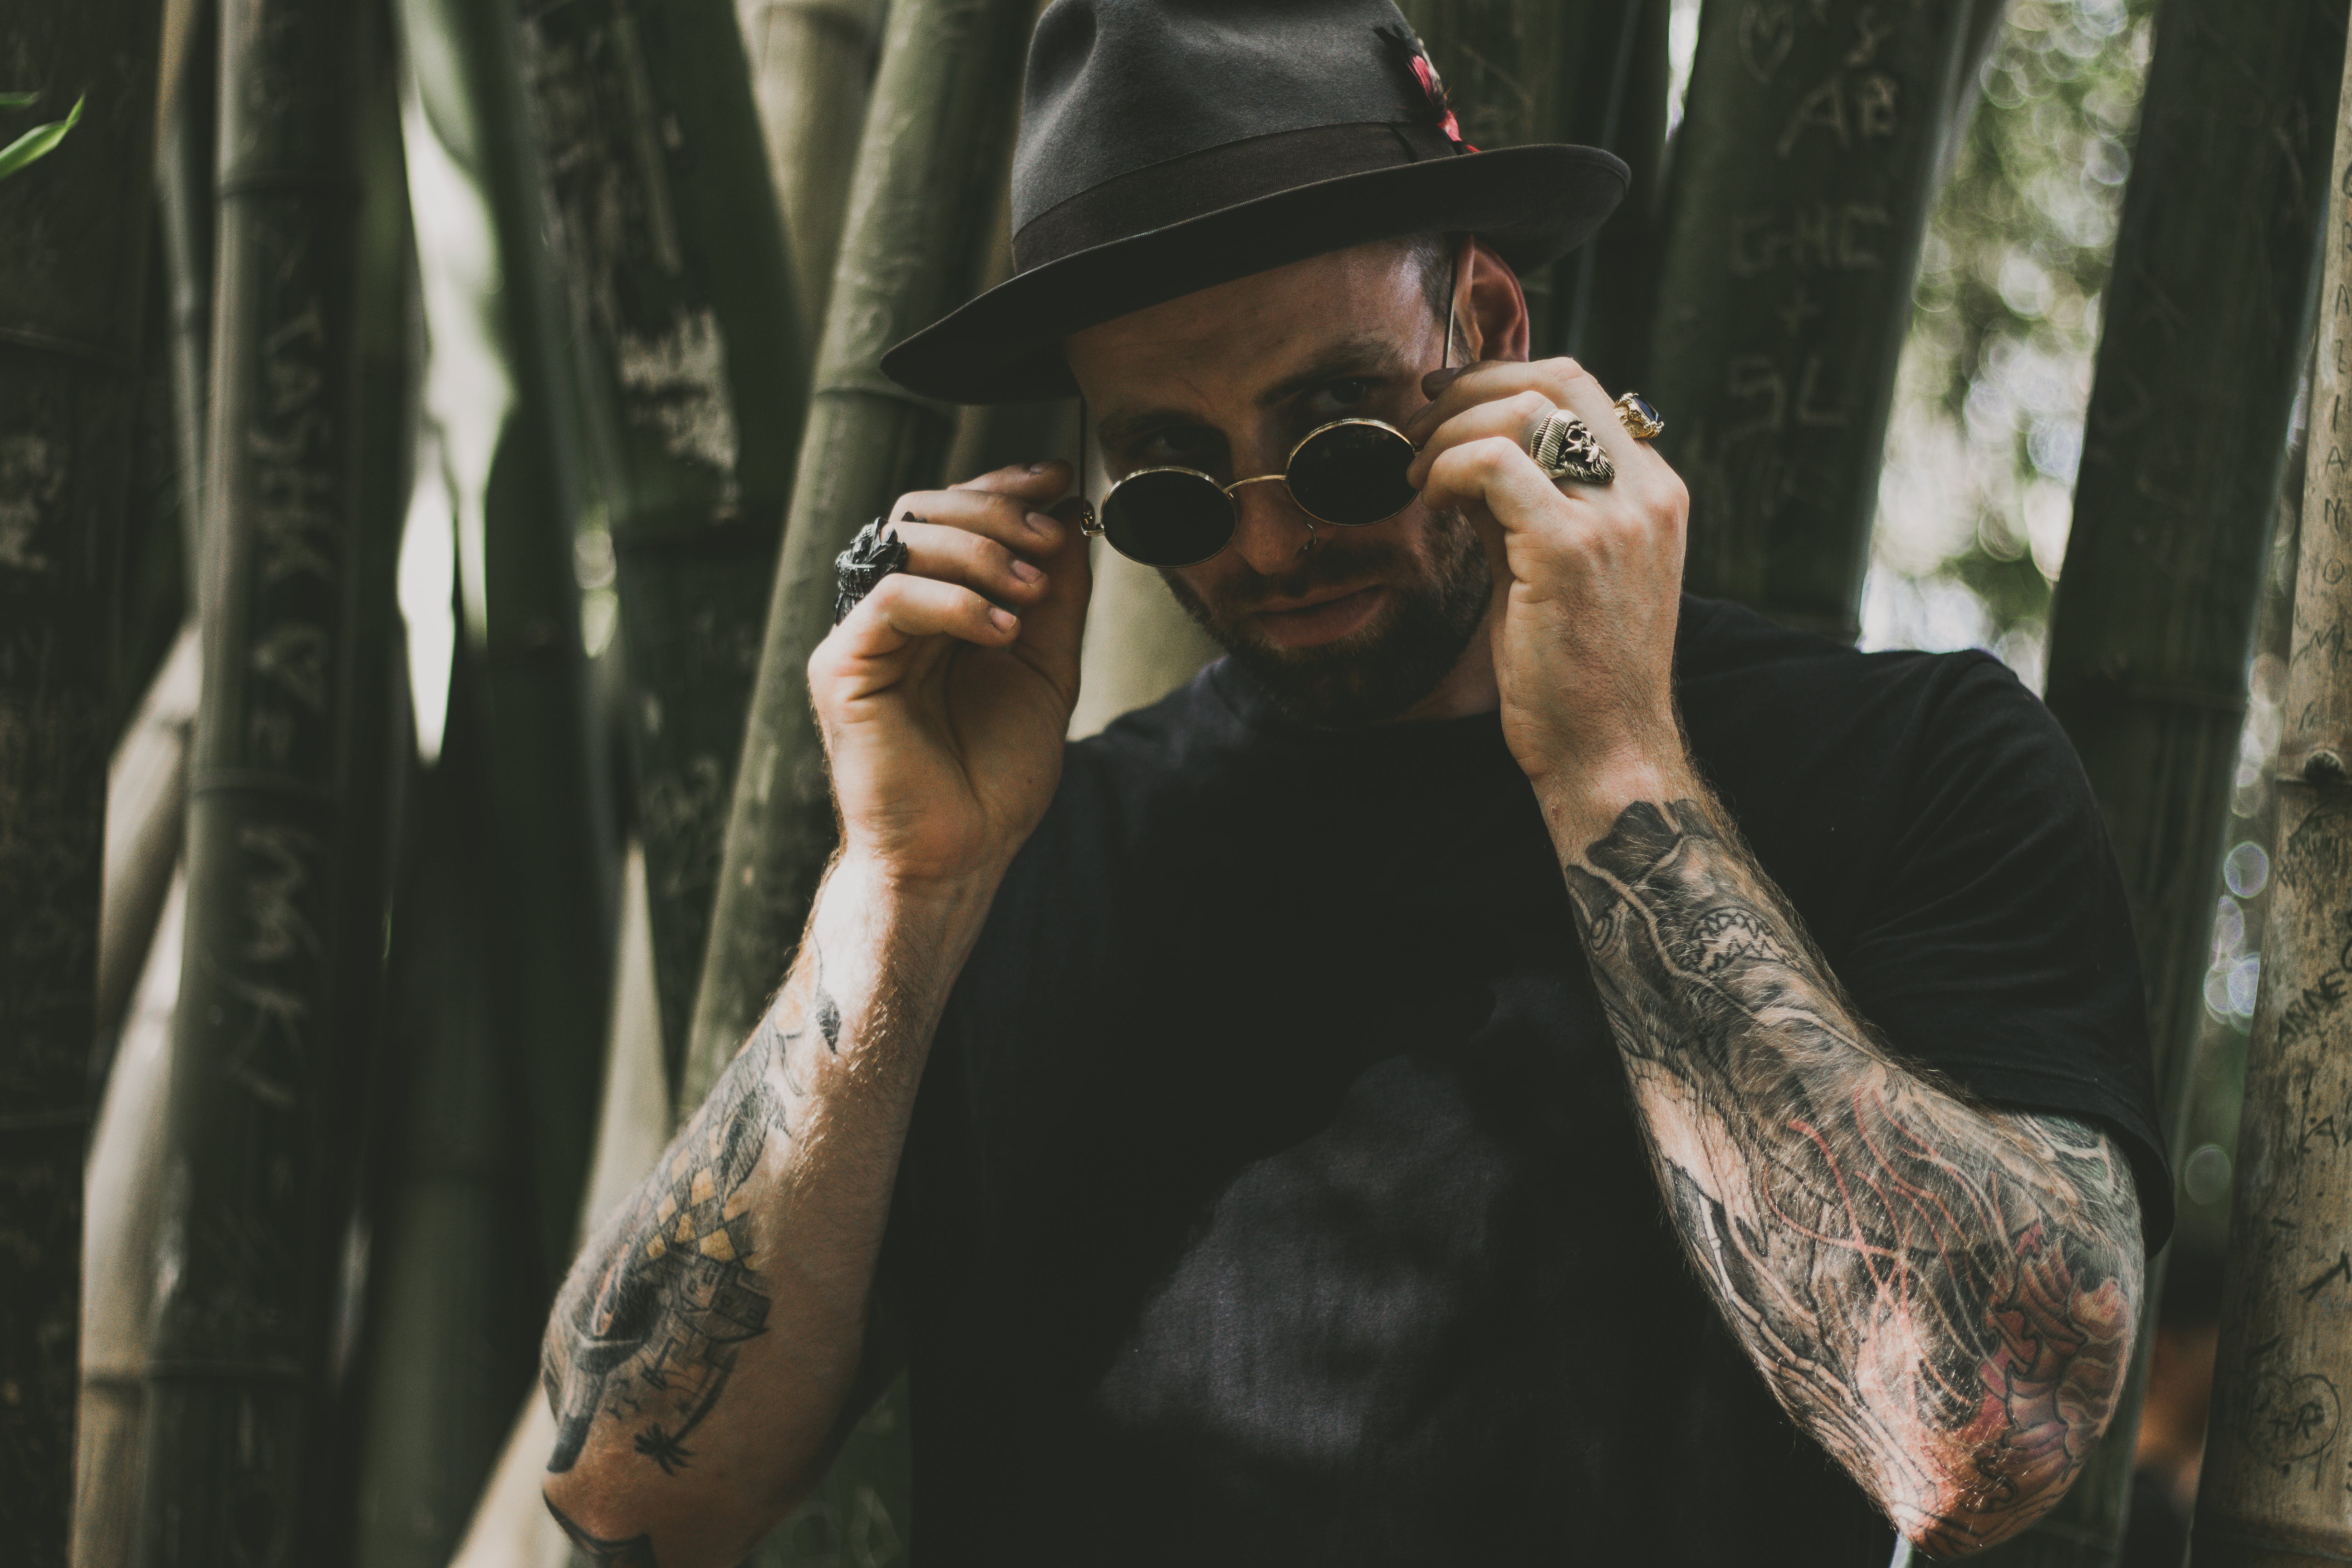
(1332, 563)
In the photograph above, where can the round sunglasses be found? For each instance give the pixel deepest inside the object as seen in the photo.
(1347, 473)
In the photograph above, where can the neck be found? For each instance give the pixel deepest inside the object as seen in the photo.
(1469, 687)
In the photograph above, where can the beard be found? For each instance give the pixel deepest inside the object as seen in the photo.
(1439, 591)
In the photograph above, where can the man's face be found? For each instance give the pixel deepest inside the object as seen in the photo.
(1366, 624)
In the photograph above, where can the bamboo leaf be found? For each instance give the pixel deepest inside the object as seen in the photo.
(38, 143)
(19, 100)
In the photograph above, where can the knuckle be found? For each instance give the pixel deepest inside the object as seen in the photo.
(1532, 405)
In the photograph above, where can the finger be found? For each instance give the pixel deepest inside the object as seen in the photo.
(1040, 483)
(1581, 395)
(1515, 417)
(1482, 382)
(1052, 628)
(1011, 519)
(1492, 475)
(903, 609)
(973, 560)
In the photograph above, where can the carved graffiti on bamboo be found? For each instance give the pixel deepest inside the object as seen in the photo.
(32, 477)
(1854, 102)
(295, 531)
(2290, 1420)
(264, 1021)
(611, 215)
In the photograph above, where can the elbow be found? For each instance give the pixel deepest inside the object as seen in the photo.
(1968, 1515)
(1989, 1487)
(2028, 1445)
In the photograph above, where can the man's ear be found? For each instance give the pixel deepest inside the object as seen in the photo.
(1496, 319)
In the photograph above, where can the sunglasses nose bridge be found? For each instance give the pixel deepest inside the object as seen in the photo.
(1254, 479)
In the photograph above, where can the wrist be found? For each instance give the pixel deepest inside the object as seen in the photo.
(1581, 803)
(927, 898)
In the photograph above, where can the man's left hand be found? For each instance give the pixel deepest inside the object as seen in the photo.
(1585, 648)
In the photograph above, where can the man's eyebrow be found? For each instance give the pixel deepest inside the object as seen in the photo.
(1118, 429)
(1364, 355)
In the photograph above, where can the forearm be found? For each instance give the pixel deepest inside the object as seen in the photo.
(1943, 1295)
(701, 1350)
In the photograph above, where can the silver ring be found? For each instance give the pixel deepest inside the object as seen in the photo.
(874, 555)
(1564, 447)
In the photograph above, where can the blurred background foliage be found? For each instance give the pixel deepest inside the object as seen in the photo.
(1986, 431)
(1978, 491)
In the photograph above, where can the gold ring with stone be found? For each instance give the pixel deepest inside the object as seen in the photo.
(1564, 447)
(1640, 420)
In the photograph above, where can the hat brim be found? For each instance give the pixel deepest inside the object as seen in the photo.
(1532, 204)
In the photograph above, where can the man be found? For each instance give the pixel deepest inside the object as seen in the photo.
(1387, 1102)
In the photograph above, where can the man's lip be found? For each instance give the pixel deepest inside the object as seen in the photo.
(1319, 618)
(1323, 597)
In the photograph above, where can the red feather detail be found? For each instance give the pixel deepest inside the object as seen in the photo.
(1427, 73)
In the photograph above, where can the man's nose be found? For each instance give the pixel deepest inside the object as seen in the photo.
(1269, 529)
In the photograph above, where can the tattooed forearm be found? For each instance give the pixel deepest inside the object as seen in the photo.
(1943, 1295)
(647, 1327)
(719, 1334)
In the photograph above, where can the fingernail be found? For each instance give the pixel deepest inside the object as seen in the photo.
(1041, 467)
(1437, 381)
(1039, 523)
(1026, 573)
(1004, 620)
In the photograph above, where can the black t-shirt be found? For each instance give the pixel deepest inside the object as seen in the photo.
(1274, 1195)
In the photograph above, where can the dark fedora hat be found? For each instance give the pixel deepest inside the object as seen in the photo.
(1170, 145)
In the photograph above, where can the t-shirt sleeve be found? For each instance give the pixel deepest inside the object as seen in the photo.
(1996, 945)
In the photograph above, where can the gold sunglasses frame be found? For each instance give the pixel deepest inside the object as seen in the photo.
(1092, 523)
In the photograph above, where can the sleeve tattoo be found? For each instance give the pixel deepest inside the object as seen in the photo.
(648, 1326)
(1942, 1295)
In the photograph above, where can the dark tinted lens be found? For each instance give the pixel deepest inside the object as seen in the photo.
(1166, 517)
(1352, 473)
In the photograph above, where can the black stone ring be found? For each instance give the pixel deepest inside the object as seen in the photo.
(874, 555)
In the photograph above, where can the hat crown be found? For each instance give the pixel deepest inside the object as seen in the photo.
(1116, 86)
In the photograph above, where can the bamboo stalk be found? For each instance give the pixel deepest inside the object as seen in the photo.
(812, 61)
(151, 598)
(936, 130)
(453, 1307)
(510, 1527)
(511, 438)
(2271, 1493)
(259, 1124)
(668, 244)
(390, 350)
(128, 1172)
(70, 297)
(185, 154)
(146, 812)
(1610, 289)
(2207, 319)
(1803, 180)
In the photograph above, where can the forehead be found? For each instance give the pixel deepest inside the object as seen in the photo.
(1236, 339)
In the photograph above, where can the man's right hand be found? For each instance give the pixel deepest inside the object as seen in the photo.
(945, 695)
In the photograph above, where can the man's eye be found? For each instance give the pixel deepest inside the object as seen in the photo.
(1348, 390)
(1184, 449)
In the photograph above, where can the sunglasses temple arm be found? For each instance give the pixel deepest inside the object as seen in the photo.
(1452, 304)
(1089, 524)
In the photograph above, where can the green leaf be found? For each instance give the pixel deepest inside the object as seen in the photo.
(19, 100)
(39, 141)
